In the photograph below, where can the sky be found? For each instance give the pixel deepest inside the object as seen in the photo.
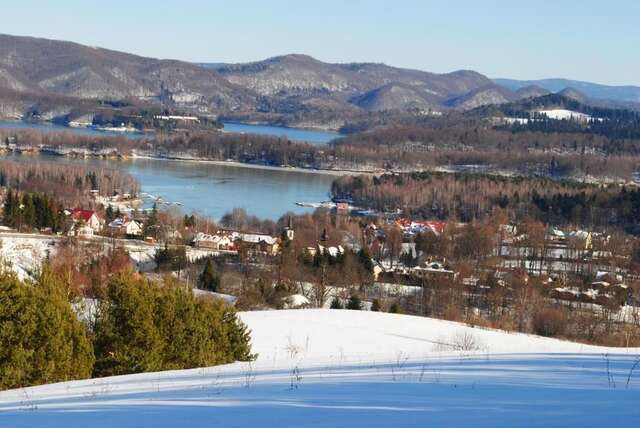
(590, 40)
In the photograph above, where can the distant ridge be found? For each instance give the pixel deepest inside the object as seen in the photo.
(53, 80)
(591, 90)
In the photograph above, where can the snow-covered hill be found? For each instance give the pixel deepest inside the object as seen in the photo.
(351, 368)
(564, 114)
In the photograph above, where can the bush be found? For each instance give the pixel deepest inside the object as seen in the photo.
(375, 305)
(394, 308)
(336, 304)
(354, 303)
(41, 338)
(549, 322)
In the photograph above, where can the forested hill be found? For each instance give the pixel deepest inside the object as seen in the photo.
(537, 115)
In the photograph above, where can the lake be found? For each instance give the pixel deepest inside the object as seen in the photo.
(214, 189)
(50, 127)
(208, 188)
(294, 134)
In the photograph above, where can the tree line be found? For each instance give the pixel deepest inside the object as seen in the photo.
(32, 210)
(467, 197)
(69, 184)
(138, 326)
(399, 147)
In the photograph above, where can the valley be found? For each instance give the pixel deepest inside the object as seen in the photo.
(319, 214)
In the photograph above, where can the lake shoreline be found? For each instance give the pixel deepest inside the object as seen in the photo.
(334, 172)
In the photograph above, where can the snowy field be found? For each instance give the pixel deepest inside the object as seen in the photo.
(25, 253)
(561, 114)
(363, 369)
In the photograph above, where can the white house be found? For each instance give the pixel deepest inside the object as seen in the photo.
(214, 242)
(125, 226)
(85, 218)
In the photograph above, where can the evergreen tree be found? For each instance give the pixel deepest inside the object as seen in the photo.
(143, 327)
(151, 226)
(9, 210)
(41, 339)
(365, 259)
(109, 214)
(126, 337)
(28, 211)
(209, 279)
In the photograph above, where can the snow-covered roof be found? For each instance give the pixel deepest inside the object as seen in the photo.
(254, 238)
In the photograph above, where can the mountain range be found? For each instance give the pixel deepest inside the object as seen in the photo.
(591, 90)
(56, 78)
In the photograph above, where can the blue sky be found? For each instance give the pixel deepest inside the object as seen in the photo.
(579, 39)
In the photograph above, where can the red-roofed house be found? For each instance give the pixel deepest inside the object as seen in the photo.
(87, 218)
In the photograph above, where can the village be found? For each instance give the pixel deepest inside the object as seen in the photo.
(405, 256)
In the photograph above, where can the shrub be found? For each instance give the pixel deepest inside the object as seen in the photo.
(354, 303)
(336, 303)
(394, 308)
(549, 322)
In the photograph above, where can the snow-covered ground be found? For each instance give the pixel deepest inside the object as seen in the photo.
(365, 369)
(25, 254)
(561, 114)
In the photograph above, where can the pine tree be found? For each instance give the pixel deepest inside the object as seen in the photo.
(41, 339)
(209, 279)
(9, 209)
(151, 226)
(127, 339)
(28, 211)
(109, 214)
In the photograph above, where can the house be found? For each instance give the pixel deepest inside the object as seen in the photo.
(257, 242)
(582, 237)
(555, 235)
(331, 251)
(413, 227)
(432, 270)
(80, 230)
(125, 226)
(87, 218)
(219, 241)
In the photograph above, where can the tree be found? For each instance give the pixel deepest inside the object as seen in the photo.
(393, 241)
(209, 279)
(173, 258)
(143, 326)
(109, 214)
(354, 303)
(41, 339)
(126, 337)
(152, 225)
